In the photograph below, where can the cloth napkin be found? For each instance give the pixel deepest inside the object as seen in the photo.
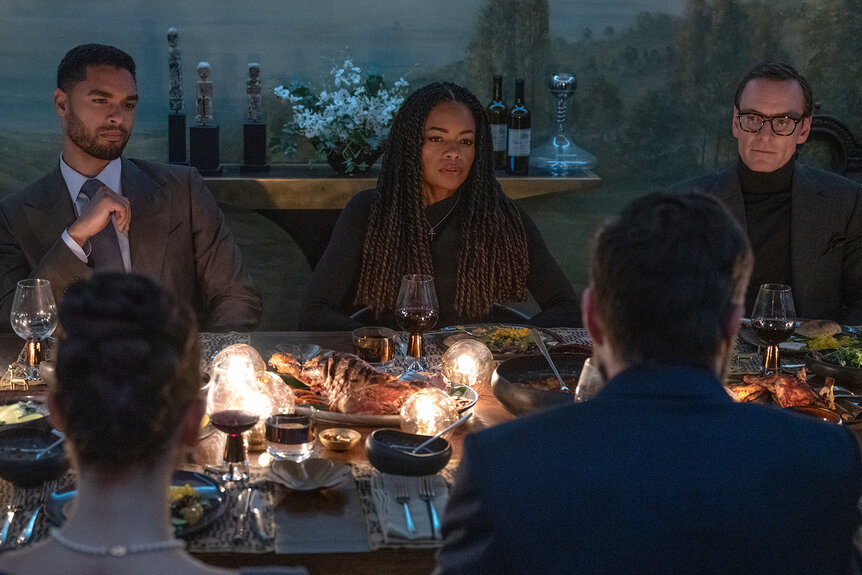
(390, 513)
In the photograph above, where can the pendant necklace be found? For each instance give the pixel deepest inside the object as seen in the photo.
(115, 550)
(443, 219)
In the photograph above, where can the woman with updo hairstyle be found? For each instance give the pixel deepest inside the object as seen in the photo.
(127, 395)
(437, 210)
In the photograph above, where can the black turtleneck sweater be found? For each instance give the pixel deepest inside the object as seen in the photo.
(767, 213)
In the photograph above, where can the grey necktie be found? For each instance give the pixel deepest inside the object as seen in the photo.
(105, 250)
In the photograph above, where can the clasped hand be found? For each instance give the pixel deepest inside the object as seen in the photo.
(105, 203)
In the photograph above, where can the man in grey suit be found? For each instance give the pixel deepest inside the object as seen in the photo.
(804, 224)
(97, 211)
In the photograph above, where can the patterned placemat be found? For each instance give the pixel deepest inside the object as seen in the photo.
(216, 538)
(362, 474)
(747, 359)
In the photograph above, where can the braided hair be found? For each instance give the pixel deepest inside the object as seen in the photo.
(128, 367)
(492, 258)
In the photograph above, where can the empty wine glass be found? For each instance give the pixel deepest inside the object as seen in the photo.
(773, 320)
(235, 405)
(416, 311)
(34, 318)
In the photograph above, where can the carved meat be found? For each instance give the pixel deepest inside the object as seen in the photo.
(748, 392)
(349, 383)
(787, 390)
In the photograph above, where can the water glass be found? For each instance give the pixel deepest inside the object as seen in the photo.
(590, 382)
(289, 436)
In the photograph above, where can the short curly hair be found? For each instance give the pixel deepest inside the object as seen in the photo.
(128, 367)
(73, 67)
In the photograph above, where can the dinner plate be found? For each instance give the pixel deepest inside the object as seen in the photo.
(445, 337)
(367, 420)
(793, 345)
(207, 487)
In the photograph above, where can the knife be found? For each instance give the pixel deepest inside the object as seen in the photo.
(10, 516)
(28, 531)
(244, 500)
(257, 506)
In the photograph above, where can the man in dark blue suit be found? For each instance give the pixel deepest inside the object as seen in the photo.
(661, 472)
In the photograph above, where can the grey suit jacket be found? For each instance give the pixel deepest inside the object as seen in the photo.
(177, 236)
(825, 238)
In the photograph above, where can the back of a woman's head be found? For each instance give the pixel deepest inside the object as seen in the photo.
(127, 370)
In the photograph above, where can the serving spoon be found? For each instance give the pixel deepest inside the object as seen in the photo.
(540, 343)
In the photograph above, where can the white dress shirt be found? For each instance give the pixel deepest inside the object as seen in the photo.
(110, 176)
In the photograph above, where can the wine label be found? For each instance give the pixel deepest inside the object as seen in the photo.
(519, 142)
(498, 137)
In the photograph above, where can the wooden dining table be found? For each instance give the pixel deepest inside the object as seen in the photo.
(487, 412)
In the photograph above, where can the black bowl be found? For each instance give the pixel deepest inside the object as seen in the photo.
(848, 377)
(388, 459)
(23, 469)
(507, 381)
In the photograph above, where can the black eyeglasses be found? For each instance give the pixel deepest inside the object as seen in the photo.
(781, 125)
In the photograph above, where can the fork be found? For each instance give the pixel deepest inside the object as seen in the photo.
(426, 494)
(402, 497)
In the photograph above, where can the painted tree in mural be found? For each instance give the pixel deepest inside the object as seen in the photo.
(511, 38)
(833, 41)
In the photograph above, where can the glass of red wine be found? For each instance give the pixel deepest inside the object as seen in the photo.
(416, 311)
(773, 320)
(235, 406)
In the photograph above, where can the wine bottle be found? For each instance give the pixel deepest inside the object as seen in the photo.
(498, 118)
(518, 153)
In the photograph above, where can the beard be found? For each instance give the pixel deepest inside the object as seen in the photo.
(89, 141)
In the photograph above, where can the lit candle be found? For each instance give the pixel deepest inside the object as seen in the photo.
(428, 411)
(468, 362)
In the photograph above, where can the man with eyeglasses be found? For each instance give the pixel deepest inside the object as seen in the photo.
(804, 224)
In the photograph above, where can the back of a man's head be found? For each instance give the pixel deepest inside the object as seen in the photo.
(666, 274)
(73, 67)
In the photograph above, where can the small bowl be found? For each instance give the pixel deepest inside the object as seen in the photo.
(820, 413)
(388, 459)
(339, 438)
(848, 377)
(517, 398)
(23, 469)
(309, 475)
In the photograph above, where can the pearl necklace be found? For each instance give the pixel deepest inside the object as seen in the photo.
(116, 550)
(443, 219)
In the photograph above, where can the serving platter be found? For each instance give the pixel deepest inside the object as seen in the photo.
(443, 338)
(366, 420)
(58, 503)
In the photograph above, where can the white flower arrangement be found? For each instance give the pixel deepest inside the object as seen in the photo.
(352, 116)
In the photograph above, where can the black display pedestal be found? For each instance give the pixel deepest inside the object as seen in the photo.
(204, 150)
(177, 138)
(254, 148)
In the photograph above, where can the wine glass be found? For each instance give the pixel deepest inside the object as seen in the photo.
(235, 405)
(773, 320)
(34, 318)
(416, 311)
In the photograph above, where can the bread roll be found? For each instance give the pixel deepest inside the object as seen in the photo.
(818, 327)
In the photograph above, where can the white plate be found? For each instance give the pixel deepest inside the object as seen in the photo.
(367, 420)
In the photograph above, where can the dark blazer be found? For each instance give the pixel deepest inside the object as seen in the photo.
(177, 236)
(825, 238)
(660, 473)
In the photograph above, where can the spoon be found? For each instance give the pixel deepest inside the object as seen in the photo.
(450, 428)
(537, 337)
(43, 450)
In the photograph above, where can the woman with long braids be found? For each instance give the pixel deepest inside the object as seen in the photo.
(437, 210)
